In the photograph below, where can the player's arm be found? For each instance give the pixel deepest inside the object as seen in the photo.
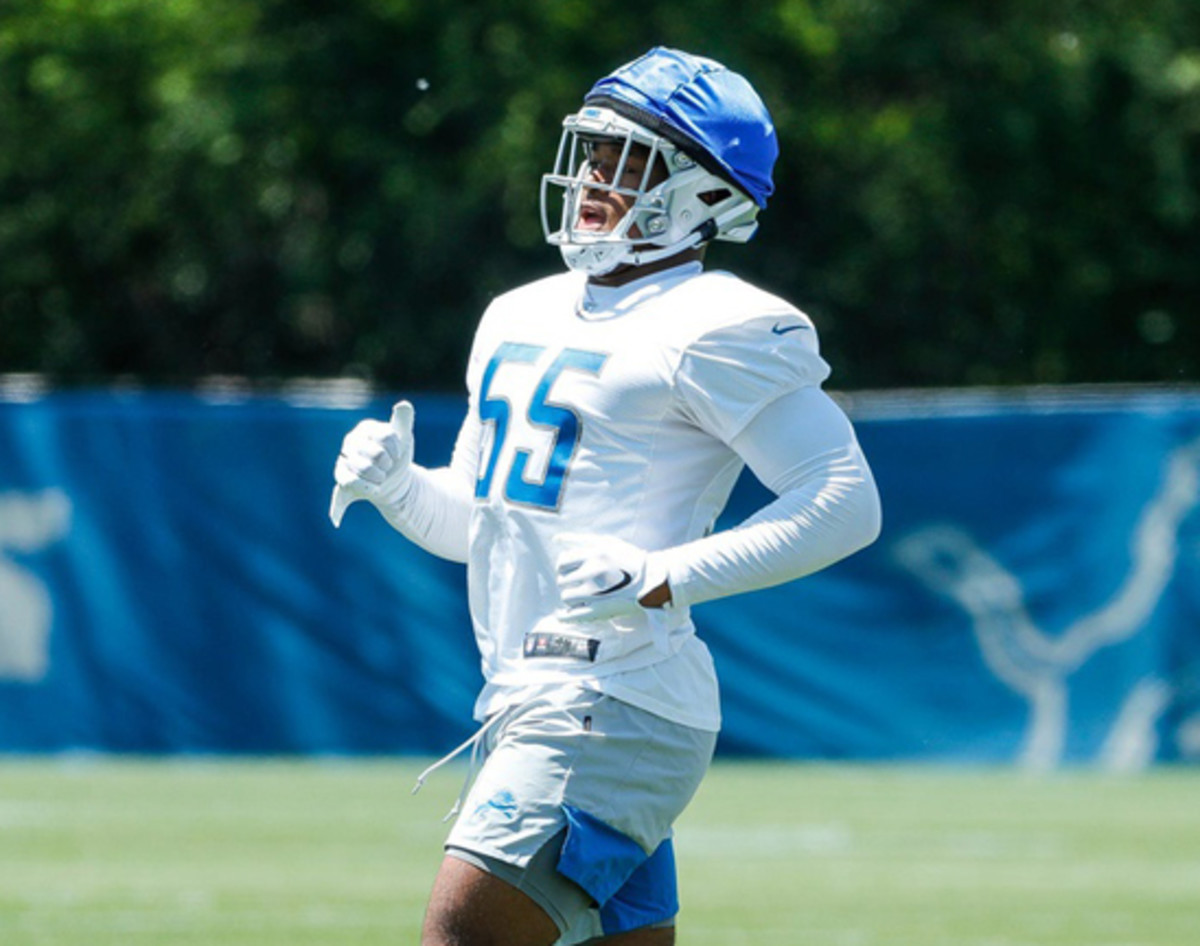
(431, 507)
(803, 448)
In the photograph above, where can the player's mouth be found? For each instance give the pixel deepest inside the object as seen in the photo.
(592, 216)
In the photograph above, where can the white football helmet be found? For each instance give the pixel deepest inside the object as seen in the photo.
(690, 207)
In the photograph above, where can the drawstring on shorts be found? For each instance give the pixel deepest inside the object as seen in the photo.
(476, 745)
(473, 744)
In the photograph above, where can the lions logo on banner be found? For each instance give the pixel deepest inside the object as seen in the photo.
(29, 522)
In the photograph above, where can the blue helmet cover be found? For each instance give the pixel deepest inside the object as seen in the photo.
(710, 112)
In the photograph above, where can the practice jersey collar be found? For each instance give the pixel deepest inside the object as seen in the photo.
(597, 303)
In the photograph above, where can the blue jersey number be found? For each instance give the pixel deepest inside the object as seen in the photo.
(559, 419)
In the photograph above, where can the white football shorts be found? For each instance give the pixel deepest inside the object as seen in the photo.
(574, 805)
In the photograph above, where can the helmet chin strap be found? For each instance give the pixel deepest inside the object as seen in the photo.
(601, 264)
(653, 255)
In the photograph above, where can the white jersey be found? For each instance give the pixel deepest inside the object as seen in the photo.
(611, 411)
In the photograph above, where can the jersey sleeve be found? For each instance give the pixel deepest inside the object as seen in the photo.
(729, 374)
(804, 449)
(435, 512)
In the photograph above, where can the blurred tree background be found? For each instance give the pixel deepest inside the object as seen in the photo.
(969, 193)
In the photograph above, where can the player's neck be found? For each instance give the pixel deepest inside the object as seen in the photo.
(627, 273)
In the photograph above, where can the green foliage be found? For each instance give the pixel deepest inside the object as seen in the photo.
(968, 192)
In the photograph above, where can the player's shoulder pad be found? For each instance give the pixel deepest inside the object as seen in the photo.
(751, 348)
(730, 313)
(721, 302)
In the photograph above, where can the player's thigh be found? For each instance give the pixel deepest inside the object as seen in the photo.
(471, 907)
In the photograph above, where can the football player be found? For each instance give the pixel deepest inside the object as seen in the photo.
(611, 409)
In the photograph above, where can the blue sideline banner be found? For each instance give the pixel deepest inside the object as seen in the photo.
(170, 583)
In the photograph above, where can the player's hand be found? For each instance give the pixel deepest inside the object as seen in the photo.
(374, 462)
(601, 577)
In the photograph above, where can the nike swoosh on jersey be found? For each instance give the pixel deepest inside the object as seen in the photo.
(780, 329)
(626, 578)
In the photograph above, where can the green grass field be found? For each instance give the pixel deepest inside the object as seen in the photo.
(102, 852)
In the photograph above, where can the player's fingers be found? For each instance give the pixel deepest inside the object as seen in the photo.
(372, 438)
(363, 431)
(338, 503)
(382, 453)
(573, 593)
(356, 467)
(402, 419)
(584, 587)
(571, 559)
(345, 477)
(566, 565)
(391, 447)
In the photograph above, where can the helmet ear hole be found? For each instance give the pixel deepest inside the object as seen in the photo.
(713, 197)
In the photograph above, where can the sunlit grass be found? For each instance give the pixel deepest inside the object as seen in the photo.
(267, 853)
